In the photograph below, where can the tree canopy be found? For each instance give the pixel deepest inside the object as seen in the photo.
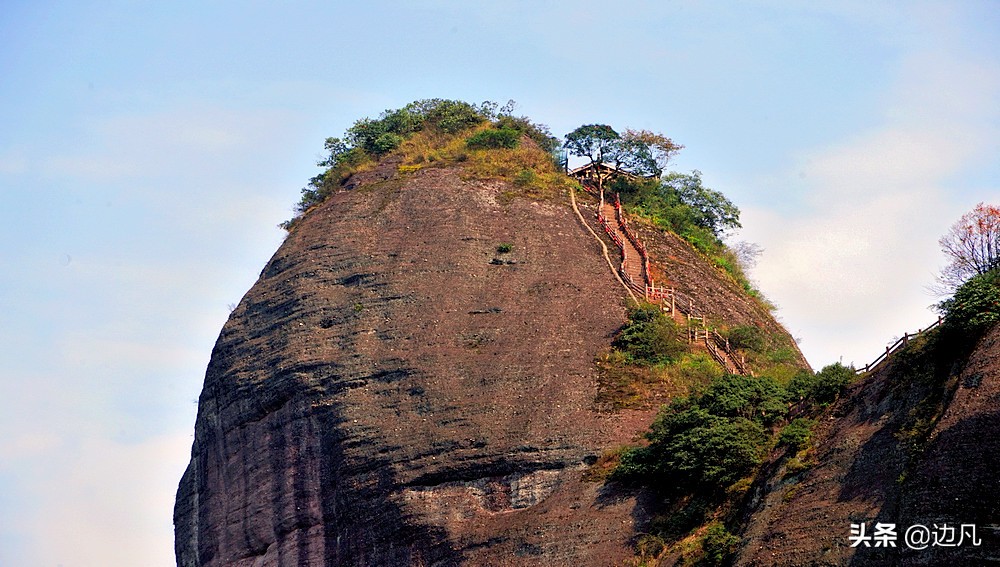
(640, 152)
(972, 245)
(711, 209)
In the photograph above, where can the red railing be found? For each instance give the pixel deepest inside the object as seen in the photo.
(634, 239)
(717, 345)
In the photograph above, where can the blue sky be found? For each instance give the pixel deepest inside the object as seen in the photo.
(149, 151)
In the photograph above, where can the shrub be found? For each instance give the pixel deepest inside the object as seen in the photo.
(494, 139)
(757, 398)
(649, 337)
(695, 449)
(781, 354)
(698, 369)
(505, 248)
(718, 544)
(452, 116)
(525, 178)
(539, 133)
(830, 382)
(747, 337)
(823, 387)
(975, 305)
(717, 453)
(797, 433)
(386, 142)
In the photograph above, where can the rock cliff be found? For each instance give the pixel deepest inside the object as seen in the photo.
(907, 445)
(394, 391)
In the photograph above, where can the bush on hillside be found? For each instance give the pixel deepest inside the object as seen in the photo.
(493, 139)
(707, 442)
(974, 307)
(757, 398)
(822, 387)
(539, 133)
(649, 337)
(747, 337)
(718, 545)
(797, 433)
(425, 132)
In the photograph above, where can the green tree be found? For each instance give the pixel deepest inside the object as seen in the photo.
(719, 545)
(639, 152)
(494, 138)
(644, 153)
(710, 209)
(822, 387)
(649, 337)
(596, 142)
(797, 433)
(975, 305)
(714, 453)
(757, 398)
(707, 442)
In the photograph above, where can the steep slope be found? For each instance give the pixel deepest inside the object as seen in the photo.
(701, 287)
(388, 394)
(873, 467)
(395, 390)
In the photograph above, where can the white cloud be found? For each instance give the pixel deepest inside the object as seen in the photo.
(27, 445)
(84, 496)
(852, 272)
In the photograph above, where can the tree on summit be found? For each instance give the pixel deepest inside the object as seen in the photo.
(639, 152)
(595, 142)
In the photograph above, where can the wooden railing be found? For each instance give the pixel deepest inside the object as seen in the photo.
(623, 268)
(634, 239)
(717, 345)
(611, 232)
(889, 350)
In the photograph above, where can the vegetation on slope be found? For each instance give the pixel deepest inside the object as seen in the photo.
(486, 139)
(682, 204)
(650, 361)
(704, 450)
(708, 444)
(930, 361)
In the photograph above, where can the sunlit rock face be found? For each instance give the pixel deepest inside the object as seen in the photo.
(395, 391)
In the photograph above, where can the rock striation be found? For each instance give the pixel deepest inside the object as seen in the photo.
(395, 391)
(867, 472)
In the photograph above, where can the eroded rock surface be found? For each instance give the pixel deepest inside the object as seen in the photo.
(394, 391)
(866, 472)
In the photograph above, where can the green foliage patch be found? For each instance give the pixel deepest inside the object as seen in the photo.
(649, 337)
(494, 138)
(709, 441)
(824, 386)
(974, 307)
(682, 204)
(798, 433)
(718, 544)
(424, 132)
(747, 337)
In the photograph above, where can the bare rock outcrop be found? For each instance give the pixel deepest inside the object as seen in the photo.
(868, 471)
(394, 391)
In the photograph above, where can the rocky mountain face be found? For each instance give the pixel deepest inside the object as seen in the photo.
(395, 391)
(399, 389)
(902, 447)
